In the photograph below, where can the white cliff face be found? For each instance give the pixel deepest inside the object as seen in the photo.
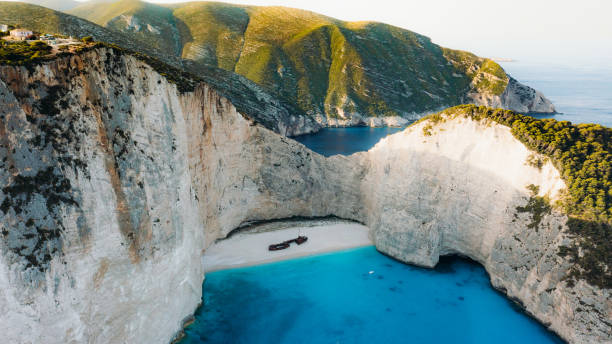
(454, 188)
(113, 183)
(358, 120)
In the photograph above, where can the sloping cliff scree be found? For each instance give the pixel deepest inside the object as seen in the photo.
(114, 182)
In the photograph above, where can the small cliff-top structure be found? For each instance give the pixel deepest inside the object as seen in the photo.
(21, 33)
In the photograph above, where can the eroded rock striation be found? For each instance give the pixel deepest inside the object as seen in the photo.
(113, 183)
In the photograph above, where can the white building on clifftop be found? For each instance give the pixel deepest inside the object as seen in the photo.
(21, 33)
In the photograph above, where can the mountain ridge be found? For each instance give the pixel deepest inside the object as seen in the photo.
(58, 5)
(336, 71)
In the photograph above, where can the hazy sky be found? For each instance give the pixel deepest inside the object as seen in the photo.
(575, 32)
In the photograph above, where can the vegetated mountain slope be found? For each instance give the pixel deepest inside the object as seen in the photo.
(155, 25)
(247, 96)
(322, 65)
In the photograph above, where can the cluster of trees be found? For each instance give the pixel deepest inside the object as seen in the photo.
(583, 155)
(21, 52)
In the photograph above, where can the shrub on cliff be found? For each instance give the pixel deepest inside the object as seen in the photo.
(21, 53)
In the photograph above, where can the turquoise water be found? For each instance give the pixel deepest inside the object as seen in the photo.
(334, 298)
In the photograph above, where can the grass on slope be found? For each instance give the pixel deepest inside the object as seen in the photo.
(487, 76)
(212, 33)
(58, 5)
(151, 24)
(45, 20)
(249, 98)
(30, 16)
(101, 14)
(583, 155)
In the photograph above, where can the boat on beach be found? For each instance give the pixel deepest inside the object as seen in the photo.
(286, 244)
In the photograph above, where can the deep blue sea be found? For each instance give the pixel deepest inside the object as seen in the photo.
(358, 296)
(581, 94)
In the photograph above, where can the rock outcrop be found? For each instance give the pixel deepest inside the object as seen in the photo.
(516, 97)
(113, 183)
(304, 69)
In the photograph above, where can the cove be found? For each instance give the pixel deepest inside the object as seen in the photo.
(358, 296)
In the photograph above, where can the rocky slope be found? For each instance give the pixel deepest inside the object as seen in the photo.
(113, 183)
(321, 69)
(58, 5)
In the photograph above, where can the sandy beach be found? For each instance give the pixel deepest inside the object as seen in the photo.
(248, 249)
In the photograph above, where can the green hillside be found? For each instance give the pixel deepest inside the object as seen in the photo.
(154, 25)
(319, 64)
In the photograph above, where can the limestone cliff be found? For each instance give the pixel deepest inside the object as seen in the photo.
(460, 187)
(113, 182)
(517, 97)
(112, 185)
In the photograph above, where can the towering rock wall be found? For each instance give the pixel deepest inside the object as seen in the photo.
(113, 183)
(462, 187)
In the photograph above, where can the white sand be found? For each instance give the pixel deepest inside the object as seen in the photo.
(247, 249)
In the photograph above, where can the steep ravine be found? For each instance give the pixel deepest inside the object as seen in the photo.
(113, 184)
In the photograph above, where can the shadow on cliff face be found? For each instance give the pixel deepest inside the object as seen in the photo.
(592, 258)
(446, 264)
